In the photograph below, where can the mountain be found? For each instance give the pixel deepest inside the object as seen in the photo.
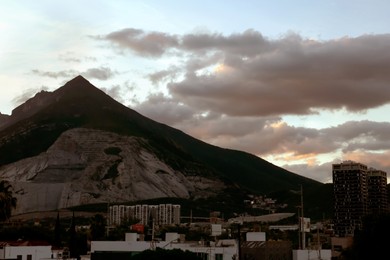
(3, 118)
(77, 145)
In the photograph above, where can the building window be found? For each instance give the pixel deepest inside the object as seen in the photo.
(19, 257)
(218, 256)
(203, 256)
(29, 257)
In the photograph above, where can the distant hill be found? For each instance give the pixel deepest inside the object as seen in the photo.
(77, 145)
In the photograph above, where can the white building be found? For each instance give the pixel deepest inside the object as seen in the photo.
(311, 254)
(220, 250)
(25, 250)
(163, 214)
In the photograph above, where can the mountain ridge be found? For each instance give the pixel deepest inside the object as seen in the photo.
(80, 105)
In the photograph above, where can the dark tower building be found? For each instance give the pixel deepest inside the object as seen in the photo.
(358, 191)
(350, 197)
(377, 191)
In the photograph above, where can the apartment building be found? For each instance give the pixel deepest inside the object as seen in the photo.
(358, 191)
(377, 191)
(162, 214)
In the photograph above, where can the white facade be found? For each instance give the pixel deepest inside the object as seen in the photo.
(163, 214)
(25, 252)
(176, 214)
(255, 236)
(223, 249)
(305, 254)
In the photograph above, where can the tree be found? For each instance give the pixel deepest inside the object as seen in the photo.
(98, 227)
(57, 232)
(77, 241)
(72, 238)
(118, 233)
(371, 242)
(7, 201)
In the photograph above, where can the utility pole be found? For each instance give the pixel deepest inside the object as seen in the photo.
(299, 228)
(239, 241)
(302, 222)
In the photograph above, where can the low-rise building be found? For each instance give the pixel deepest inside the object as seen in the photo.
(25, 250)
(225, 249)
(311, 254)
(339, 244)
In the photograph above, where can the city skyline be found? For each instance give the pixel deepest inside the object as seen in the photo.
(302, 85)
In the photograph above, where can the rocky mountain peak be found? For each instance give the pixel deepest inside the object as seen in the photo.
(78, 140)
(78, 83)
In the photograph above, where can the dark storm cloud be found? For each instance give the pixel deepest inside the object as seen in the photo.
(262, 77)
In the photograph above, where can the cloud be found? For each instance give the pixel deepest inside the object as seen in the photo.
(170, 73)
(269, 77)
(58, 74)
(318, 172)
(72, 57)
(375, 160)
(297, 77)
(248, 43)
(101, 73)
(233, 91)
(120, 92)
(264, 136)
(267, 135)
(145, 44)
(27, 94)
(165, 110)
(356, 135)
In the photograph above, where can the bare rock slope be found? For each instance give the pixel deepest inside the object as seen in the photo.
(87, 166)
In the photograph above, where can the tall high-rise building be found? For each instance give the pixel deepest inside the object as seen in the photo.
(377, 191)
(358, 191)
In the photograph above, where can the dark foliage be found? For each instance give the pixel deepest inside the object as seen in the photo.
(372, 241)
(7, 200)
(119, 232)
(29, 232)
(57, 232)
(98, 227)
(113, 150)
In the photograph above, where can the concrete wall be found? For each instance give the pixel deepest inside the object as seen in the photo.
(229, 251)
(37, 252)
(312, 254)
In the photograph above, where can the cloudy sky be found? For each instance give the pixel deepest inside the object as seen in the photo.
(302, 84)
